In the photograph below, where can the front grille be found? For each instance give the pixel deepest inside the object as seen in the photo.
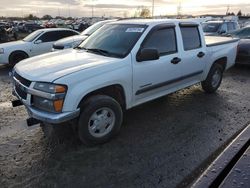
(19, 89)
(21, 93)
(22, 80)
(58, 47)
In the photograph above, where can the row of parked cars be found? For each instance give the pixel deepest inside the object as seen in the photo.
(46, 40)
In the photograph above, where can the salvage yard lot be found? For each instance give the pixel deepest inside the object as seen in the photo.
(164, 143)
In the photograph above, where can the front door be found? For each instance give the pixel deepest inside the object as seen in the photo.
(43, 44)
(154, 78)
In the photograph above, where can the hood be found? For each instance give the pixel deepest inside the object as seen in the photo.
(11, 44)
(70, 40)
(51, 66)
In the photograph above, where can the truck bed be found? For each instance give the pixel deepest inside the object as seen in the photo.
(217, 40)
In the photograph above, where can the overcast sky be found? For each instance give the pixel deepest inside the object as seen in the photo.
(80, 8)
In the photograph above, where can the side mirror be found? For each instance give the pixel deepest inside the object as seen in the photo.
(38, 41)
(147, 54)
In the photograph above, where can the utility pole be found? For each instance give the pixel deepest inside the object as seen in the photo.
(69, 8)
(228, 7)
(179, 10)
(92, 9)
(153, 7)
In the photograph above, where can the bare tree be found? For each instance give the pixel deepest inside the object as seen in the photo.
(145, 13)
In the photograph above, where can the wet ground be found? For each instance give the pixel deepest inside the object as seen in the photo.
(164, 143)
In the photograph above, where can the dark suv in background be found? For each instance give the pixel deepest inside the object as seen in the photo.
(213, 28)
(30, 27)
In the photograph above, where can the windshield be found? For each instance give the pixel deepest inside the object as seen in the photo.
(32, 36)
(114, 40)
(210, 27)
(92, 28)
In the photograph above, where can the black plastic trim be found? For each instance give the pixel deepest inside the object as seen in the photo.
(156, 86)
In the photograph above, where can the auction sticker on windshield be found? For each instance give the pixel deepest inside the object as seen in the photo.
(135, 30)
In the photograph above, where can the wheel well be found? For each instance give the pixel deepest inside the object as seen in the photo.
(115, 91)
(222, 61)
(18, 52)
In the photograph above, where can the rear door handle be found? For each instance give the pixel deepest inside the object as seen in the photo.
(200, 54)
(176, 60)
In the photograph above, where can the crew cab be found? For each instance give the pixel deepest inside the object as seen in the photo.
(36, 43)
(120, 66)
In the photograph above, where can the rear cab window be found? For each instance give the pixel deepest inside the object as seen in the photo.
(190, 36)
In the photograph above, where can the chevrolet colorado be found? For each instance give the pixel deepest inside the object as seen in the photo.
(122, 65)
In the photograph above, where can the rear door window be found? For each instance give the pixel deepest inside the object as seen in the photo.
(191, 37)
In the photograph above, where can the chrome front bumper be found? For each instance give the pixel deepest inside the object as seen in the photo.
(48, 117)
(52, 117)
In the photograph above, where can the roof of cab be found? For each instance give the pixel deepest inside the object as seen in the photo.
(155, 21)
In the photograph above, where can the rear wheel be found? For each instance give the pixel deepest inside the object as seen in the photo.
(213, 80)
(15, 57)
(100, 120)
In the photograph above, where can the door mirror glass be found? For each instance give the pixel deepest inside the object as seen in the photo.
(147, 54)
(38, 41)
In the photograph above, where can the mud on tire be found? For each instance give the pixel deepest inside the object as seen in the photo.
(213, 80)
(100, 120)
(17, 56)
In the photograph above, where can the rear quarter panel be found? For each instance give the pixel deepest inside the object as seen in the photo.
(216, 52)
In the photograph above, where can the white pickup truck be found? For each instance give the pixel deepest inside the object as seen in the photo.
(120, 66)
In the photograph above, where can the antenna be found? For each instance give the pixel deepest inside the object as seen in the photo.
(179, 10)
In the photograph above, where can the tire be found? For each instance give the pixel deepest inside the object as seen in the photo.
(100, 120)
(213, 80)
(16, 57)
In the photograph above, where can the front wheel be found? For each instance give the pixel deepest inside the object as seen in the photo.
(100, 120)
(213, 80)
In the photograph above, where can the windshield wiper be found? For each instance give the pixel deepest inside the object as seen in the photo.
(99, 51)
(80, 48)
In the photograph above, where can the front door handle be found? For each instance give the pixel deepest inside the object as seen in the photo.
(176, 60)
(200, 54)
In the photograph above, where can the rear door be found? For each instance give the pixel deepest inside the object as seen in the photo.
(154, 78)
(193, 53)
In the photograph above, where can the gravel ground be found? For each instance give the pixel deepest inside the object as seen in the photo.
(164, 143)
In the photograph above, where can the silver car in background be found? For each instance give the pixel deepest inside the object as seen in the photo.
(71, 42)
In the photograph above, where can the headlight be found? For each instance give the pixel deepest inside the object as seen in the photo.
(48, 104)
(1, 51)
(50, 88)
